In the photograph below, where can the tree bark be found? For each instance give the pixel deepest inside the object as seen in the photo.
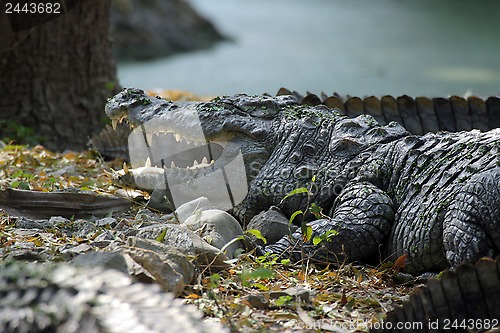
(55, 77)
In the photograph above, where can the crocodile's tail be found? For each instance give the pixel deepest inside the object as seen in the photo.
(464, 300)
(60, 298)
(418, 115)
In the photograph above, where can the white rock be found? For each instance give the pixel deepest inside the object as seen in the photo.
(216, 227)
(193, 207)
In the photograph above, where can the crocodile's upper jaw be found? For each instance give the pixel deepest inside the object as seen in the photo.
(185, 135)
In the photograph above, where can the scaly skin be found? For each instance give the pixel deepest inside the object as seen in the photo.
(467, 300)
(64, 299)
(435, 198)
(388, 192)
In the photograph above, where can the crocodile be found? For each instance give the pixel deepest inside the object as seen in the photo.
(50, 297)
(464, 300)
(387, 193)
(418, 115)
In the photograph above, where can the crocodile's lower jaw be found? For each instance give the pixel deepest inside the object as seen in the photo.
(172, 170)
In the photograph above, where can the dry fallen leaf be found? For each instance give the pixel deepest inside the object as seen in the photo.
(343, 299)
(400, 263)
(193, 296)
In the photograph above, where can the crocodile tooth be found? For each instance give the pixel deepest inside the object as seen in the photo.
(114, 123)
(172, 165)
(178, 137)
(212, 162)
(195, 163)
(125, 168)
(148, 162)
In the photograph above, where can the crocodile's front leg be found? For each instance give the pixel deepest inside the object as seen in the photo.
(362, 216)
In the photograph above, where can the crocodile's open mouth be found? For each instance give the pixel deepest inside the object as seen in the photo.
(194, 158)
(188, 169)
(183, 156)
(172, 151)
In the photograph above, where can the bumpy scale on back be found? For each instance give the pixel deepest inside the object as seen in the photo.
(467, 300)
(434, 197)
(64, 299)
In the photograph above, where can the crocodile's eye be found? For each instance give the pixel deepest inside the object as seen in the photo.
(345, 146)
(377, 132)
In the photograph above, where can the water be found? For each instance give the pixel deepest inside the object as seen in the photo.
(357, 47)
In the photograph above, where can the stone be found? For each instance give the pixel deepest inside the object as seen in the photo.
(106, 221)
(71, 251)
(112, 260)
(180, 237)
(272, 224)
(218, 228)
(193, 207)
(27, 223)
(85, 229)
(176, 259)
(169, 235)
(161, 267)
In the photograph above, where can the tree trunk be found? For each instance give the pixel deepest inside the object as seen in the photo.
(56, 77)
